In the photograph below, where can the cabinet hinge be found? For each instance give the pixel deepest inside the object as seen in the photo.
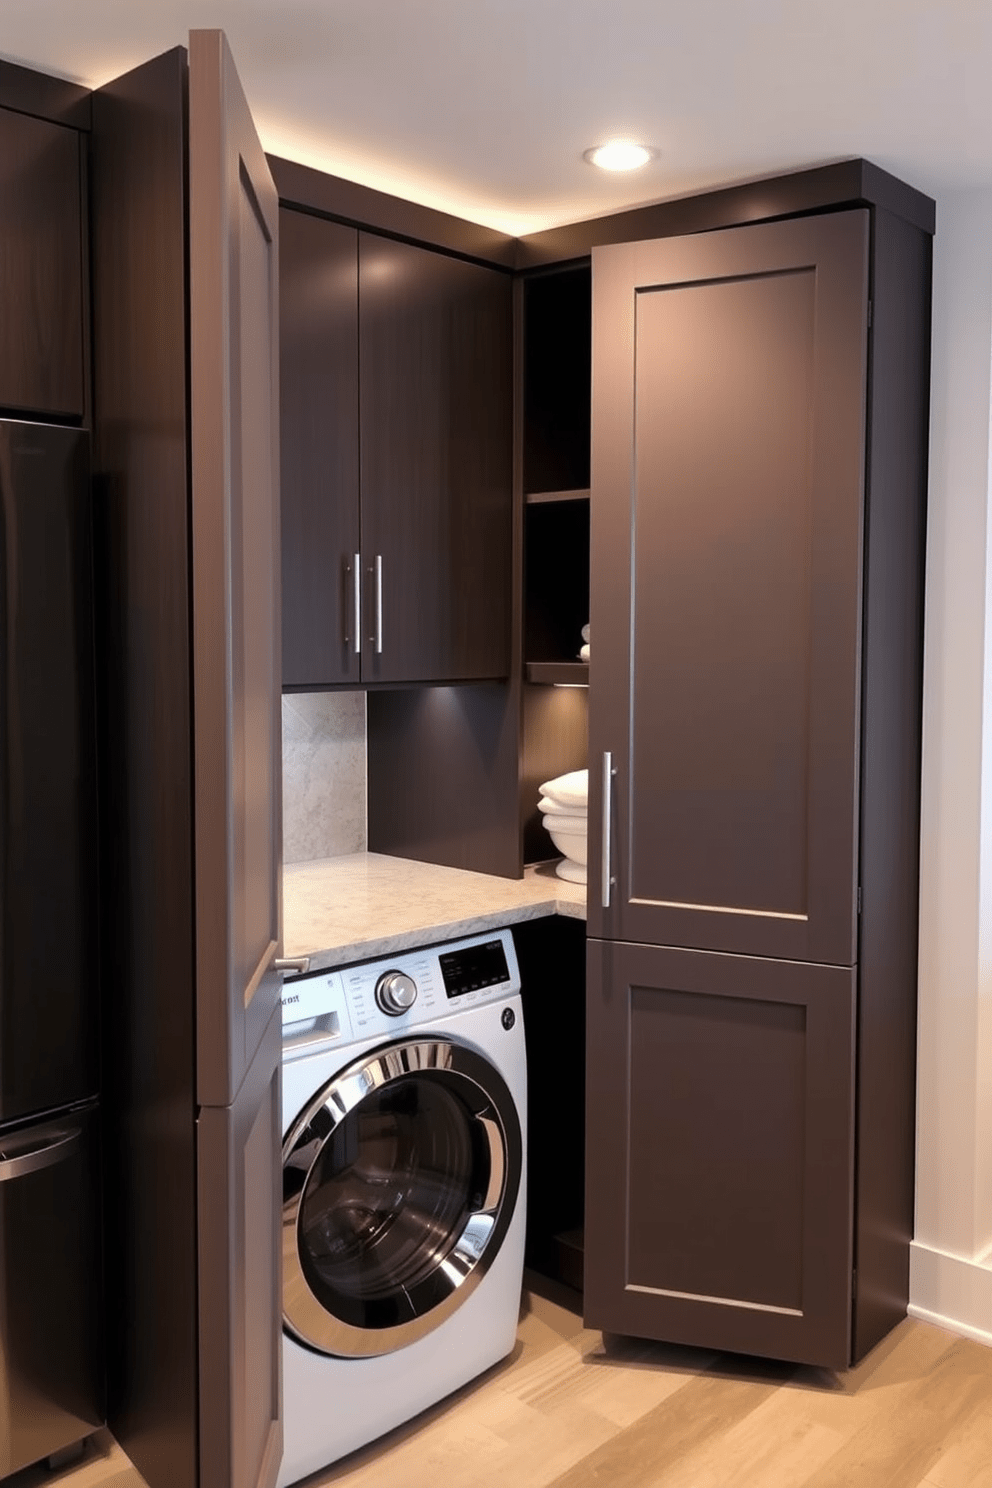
(869, 314)
(859, 898)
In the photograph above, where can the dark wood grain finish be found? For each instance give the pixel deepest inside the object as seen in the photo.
(45, 97)
(318, 380)
(848, 183)
(139, 304)
(555, 740)
(348, 201)
(537, 498)
(558, 673)
(238, 1148)
(234, 448)
(435, 357)
(720, 1151)
(557, 373)
(41, 268)
(890, 764)
(442, 765)
(729, 435)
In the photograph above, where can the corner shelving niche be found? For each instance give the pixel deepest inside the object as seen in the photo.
(557, 313)
(557, 382)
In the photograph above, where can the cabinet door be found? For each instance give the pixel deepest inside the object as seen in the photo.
(237, 785)
(727, 493)
(435, 341)
(236, 631)
(240, 1293)
(41, 267)
(720, 1151)
(318, 377)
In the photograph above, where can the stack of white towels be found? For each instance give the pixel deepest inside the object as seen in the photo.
(584, 649)
(565, 805)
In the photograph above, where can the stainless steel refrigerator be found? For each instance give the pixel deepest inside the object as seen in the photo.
(51, 1385)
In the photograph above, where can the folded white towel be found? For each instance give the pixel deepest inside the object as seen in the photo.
(561, 821)
(585, 632)
(571, 872)
(584, 652)
(568, 792)
(546, 804)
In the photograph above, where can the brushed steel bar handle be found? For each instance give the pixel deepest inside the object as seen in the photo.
(608, 774)
(378, 604)
(291, 963)
(62, 1145)
(357, 577)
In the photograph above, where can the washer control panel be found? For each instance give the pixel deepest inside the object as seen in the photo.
(403, 991)
(395, 992)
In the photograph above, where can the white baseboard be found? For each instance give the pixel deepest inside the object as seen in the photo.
(951, 1291)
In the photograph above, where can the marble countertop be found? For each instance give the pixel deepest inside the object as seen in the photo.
(364, 905)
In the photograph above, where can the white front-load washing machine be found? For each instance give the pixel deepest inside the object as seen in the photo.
(404, 1141)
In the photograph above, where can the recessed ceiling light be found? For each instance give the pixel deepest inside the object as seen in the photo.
(620, 155)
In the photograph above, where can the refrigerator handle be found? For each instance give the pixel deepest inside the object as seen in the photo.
(60, 1145)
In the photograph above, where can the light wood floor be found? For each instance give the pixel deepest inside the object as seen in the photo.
(567, 1411)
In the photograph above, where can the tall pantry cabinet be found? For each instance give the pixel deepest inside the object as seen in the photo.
(758, 489)
(185, 331)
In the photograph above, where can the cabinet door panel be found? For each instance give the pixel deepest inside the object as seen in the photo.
(240, 1278)
(41, 267)
(235, 502)
(726, 516)
(318, 378)
(435, 341)
(720, 1093)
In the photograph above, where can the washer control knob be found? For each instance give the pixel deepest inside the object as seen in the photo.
(395, 992)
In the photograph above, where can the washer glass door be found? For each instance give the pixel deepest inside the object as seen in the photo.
(399, 1182)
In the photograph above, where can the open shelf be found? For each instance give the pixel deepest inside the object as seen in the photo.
(564, 673)
(557, 380)
(532, 497)
(556, 583)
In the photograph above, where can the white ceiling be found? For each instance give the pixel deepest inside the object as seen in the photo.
(484, 107)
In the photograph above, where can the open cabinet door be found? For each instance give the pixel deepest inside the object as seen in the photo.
(233, 227)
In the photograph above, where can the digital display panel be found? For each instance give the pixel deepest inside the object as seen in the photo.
(473, 968)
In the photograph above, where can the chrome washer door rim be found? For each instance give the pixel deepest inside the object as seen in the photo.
(305, 1315)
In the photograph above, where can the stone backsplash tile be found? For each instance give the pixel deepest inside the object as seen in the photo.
(324, 775)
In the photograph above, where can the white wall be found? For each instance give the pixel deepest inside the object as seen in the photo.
(951, 1267)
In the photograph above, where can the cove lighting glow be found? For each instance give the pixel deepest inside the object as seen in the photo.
(620, 155)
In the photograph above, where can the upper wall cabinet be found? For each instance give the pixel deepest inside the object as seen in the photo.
(318, 335)
(41, 268)
(396, 461)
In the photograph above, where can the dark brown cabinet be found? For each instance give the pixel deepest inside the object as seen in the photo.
(758, 497)
(318, 427)
(396, 394)
(730, 439)
(41, 267)
(720, 1150)
(185, 331)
